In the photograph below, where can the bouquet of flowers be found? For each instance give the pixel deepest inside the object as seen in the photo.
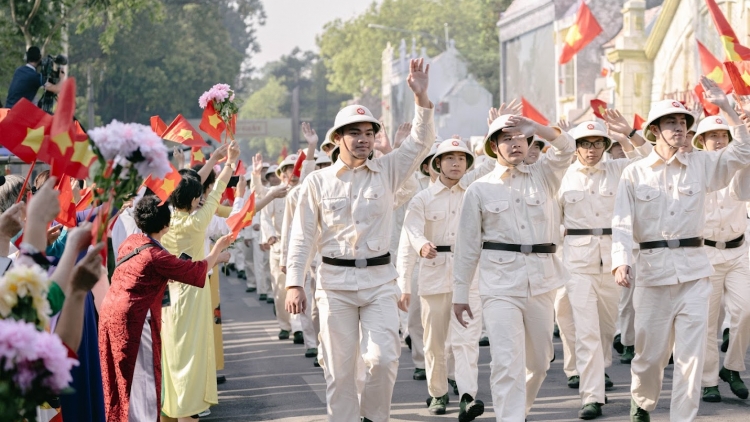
(23, 296)
(127, 153)
(34, 367)
(221, 99)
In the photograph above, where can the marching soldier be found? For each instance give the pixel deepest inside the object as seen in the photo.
(345, 211)
(660, 205)
(514, 213)
(724, 240)
(586, 198)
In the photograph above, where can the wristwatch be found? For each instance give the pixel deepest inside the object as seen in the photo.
(631, 133)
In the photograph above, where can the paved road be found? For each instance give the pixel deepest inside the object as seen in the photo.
(271, 380)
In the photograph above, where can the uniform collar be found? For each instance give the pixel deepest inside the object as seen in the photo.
(578, 166)
(339, 166)
(437, 186)
(653, 158)
(501, 169)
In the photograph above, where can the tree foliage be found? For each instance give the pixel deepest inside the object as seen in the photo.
(352, 51)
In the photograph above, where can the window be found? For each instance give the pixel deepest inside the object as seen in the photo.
(567, 80)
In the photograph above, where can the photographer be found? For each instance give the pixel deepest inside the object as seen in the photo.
(27, 81)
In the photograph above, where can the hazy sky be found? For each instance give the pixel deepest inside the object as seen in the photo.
(295, 23)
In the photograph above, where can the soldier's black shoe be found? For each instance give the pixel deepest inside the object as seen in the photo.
(469, 408)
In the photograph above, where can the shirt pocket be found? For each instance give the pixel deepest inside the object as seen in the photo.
(578, 252)
(495, 212)
(652, 264)
(535, 205)
(373, 203)
(436, 262)
(333, 210)
(647, 206)
(377, 246)
(689, 196)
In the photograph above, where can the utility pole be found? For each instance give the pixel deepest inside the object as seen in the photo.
(295, 120)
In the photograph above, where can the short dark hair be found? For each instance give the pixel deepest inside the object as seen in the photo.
(9, 191)
(41, 178)
(150, 216)
(187, 190)
(210, 180)
(33, 54)
(340, 131)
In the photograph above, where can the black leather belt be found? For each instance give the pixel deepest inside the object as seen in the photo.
(692, 242)
(359, 263)
(541, 248)
(584, 232)
(444, 248)
(734, 243)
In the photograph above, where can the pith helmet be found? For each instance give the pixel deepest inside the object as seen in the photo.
(323, 159)
(428, 158)
(499, 124)
(452, 145)
(592, 128)
(709, 124)
(328, 140)
(352, 114)
(290, 160)
(661, 109)
(271, 170)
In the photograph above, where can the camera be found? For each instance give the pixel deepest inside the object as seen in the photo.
(50, 70)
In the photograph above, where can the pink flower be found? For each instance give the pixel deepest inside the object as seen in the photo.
(218, 93)
(125, 139)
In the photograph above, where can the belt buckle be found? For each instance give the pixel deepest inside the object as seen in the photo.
(360, 263)
(597, 232)
(673, 243)
(721, 245)
(527, 249)
(450, 247)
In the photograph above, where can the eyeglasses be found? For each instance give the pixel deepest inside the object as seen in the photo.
(587, 144)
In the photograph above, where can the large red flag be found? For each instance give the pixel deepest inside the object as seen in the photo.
(158, 125)
(527, 110)
(297, 169)
(164, 187)
(598, 107)
(638, 122)
(713, 69)
(580, 34)
(243, 218)
(709, 109)
(732, 47)
(197, 156)
(181, 131)
(739, 74)
(25, 129)
(211, 123)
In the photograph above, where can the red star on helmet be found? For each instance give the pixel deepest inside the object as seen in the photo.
(676, 104)
(455, 143)
(360, 111)
(590, 127)
(719, 121)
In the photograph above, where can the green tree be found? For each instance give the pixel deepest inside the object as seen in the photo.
(267, 102)
(352, 50)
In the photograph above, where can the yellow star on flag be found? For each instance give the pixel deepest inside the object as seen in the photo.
(716, 75)
(746, 78)
(198, 156)
(248, 217)
(573, 35)
(34, 138)
(82, 153)
(186, 134)
(728, 43)
(602, 110)
(168, 185)
(63, 142)
(214, 120)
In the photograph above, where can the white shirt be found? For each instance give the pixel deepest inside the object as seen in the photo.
(726, 220)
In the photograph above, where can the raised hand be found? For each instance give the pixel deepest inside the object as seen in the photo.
(522, 124)
(616, 122)
(418, 81)
(179, 157)
(88, 270)
(564, 125)
(220, 153)
(382, 143)
(715, 95)
(45, 204)
(402, 132)
(233, 153)
(492, 115)
(512, 108)
(309, 133)
(257, 164)
(11, 221)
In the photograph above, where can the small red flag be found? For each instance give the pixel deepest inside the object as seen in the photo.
(228, 195)
(638, 122)
(25, 130)
(164, 187)
(158, 125)
(739, 74)
(283, 155)
(297, 170)
(197, 156)
(709, 109)
(240, 169)
(243, 218)
(181, 131)
(87, 196)
(67, 215)
(580, 34)
(529, 111)
(211, 123)
(598, 107)
(713, 69)
(732, 48)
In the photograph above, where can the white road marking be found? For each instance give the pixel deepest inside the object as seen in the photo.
(317, 383)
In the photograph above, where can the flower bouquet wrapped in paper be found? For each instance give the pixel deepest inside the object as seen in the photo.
(34, 364)
(219, 111)
(127, 153)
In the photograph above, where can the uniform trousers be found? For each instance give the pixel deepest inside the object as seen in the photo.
(260, 268)
(626, 319)
(731, 280)
(416, 331)
(520, 336)
(593, 299)
(438, 356)
(564, 317)
(237, 255)
(279, 290)
(343, 314)
(248, 255)
(670, 319)
(303, 322)
(465, 345)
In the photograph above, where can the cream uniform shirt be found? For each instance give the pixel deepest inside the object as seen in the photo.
(726, 220)
(587, 201)
(347, 213)
(514, 205)
(433, 216)
(661, 199)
